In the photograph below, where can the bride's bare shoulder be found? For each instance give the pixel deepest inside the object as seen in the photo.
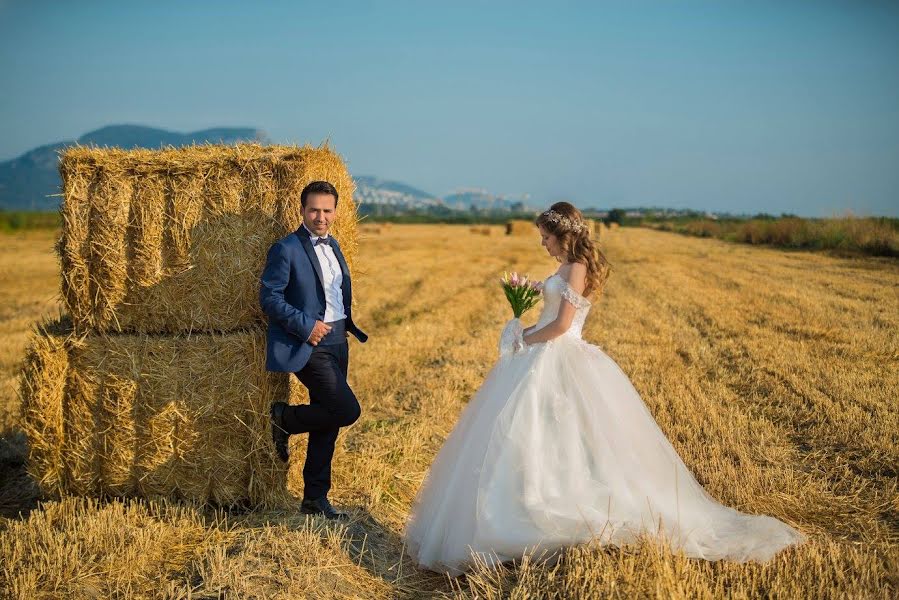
(575, 273)
(573, 269)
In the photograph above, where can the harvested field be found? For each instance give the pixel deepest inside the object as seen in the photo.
(774, 374)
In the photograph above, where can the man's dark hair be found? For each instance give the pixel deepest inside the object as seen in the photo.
(318, 187)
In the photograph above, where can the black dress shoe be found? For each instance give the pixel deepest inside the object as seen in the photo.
(279, 434)
(321, 506)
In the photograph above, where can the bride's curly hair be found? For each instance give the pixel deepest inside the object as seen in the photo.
(567, 223)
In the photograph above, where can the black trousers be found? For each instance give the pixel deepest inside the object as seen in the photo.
(332, 405)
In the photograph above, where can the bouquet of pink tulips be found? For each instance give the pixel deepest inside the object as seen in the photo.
(521, 293)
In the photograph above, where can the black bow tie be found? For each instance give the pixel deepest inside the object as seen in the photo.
(323, 240)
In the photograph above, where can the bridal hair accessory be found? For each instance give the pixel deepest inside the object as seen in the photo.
(566, 223)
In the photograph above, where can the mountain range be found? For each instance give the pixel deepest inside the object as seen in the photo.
(31, 181)
(373, 190)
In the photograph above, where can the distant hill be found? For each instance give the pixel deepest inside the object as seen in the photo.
(465, 199)
(373, 190)
(26, 182)
(31, 181)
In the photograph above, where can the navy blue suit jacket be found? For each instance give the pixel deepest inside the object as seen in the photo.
(291, 293)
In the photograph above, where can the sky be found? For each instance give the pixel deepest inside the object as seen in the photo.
(737, 106)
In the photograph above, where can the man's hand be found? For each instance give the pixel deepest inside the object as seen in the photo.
(318, 332)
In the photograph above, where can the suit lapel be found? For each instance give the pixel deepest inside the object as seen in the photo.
(344, 269)
(310, 252)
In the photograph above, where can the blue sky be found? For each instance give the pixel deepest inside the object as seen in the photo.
(734, 106)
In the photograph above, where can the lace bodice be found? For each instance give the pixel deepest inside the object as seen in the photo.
(555, 288)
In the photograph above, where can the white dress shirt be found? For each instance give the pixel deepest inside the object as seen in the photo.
(332, 278)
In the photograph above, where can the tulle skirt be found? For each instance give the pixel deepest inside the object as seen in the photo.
(557, 448)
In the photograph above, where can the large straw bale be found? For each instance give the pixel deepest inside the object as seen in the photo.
(42, 387)
(520, 227)
(165, 241)
(175, 416)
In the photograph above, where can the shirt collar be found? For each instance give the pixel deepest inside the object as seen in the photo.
(313, 236)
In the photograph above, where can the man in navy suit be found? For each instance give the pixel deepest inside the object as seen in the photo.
(307, 294)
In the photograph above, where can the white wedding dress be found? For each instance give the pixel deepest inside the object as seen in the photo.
(556, 448)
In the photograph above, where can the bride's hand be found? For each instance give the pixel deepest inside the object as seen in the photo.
(510, 337)
(522, 344)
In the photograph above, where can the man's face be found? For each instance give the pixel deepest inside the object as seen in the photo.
(319, 213)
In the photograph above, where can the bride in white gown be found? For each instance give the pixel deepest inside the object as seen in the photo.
(557, 448)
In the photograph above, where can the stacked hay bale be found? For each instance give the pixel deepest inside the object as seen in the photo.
(152, 415)
(154, 383)
(370, 229)
(174, 240)
(481, 229)
(520, 227)
(601, 229)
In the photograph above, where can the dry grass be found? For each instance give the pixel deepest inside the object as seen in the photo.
(774, 374)
(129, 546)
(29, 290)
(173, 240)
(876, 236)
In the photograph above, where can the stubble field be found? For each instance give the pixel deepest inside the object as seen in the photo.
(774, 374)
